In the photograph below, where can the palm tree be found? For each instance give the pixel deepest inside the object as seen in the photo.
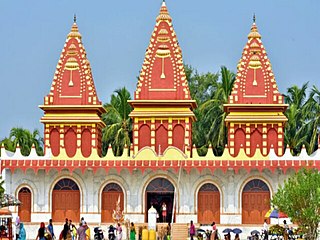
(25, 139)
(118, 130)
(296, 129)
(202, 88)
(313, 117)
(213, 112)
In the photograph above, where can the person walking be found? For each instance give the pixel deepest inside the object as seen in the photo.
(50, 229)
(119, 232)
(214, 231)
(192, 230)
(41, 232)
(17, 224)
(81, 232)
(132, 232)
(65, 230)
(22, 233)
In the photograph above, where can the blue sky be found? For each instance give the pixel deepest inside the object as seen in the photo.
(116, 34)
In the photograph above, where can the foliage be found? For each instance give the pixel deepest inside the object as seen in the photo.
(118, 130)
(299, 198)
(25, 139)
(303, 116)
(1, 187)
(210, 91)
(276, 229)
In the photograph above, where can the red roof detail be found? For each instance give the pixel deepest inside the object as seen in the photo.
(162, 76)
(255, 82)
(72, 82)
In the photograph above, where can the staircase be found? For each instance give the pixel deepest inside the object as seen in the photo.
(179, 231)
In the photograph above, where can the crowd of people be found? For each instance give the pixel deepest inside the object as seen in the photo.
(70, 231)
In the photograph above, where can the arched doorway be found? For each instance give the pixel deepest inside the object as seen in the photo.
(110, 196)
(255, 202)
(24, 209)
(159, 191)
(208, 204)
(65, 201)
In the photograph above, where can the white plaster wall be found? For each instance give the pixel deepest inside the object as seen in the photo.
(229, 183)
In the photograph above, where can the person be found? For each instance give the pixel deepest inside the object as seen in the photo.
(164, 212)
(192, 230)
(286, 230)
(265, 229)
(65, 230)
(132, 232)
(214, 231)
(22, 232)
(81, 232)
(50, 229)
(41, 232)
(119, 231)
(82, 220)
(17, 227)
(88, 233)
(168, 231)
(237, 237)
(73, 230)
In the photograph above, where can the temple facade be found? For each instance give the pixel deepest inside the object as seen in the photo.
(73, 180)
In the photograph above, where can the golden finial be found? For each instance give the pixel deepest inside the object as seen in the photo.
(74, 18)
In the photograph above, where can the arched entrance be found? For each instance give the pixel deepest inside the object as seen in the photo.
(208, 204)
(255, 202)
(158, 192)
(110, 195)
(65, 201)
(24, 209)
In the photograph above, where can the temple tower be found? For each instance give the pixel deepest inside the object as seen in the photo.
(255, 108)
(162, 114)
(72, 110)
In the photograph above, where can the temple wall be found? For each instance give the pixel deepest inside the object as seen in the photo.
(230, 185)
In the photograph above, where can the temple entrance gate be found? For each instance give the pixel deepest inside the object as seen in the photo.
(65, 201)
(255, 202)
(24, 210)
(110, 195)
(160, 191)
(208, 204)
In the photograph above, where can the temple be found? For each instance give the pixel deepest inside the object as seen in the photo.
(73, 179)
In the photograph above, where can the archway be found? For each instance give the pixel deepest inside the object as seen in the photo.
(159, 191)
(255, 202)
(110, 195)
(24, 209)
(208, 204)
(65, 201)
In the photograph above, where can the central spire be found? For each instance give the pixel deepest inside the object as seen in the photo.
(162, 75)
(162, 113)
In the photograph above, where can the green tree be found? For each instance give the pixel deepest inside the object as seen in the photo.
(313, 119)
(118, 130)
(213, 113)
(296, 130)
(299, 198)
(202, 88)
(25, 139)
(1, 188)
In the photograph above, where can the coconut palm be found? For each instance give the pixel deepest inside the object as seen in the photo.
(25, 139)
(313, 117)
(118, 130)
(214, 114)
(296, 129)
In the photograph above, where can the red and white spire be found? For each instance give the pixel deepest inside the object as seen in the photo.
(162, 76)
(72, 82)
(255, 82)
